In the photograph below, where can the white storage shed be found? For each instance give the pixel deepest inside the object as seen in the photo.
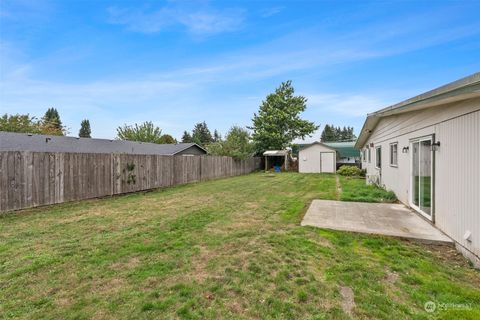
(316, 158)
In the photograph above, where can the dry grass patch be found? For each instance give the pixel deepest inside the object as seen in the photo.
(231, 248)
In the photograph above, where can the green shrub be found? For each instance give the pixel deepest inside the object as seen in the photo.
(350, 171)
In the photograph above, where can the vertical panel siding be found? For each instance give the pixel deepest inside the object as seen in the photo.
(458, 179)
(312, 161)
(457, 163)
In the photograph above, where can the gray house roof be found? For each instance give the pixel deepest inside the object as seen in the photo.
(10, 141)
(465, 88)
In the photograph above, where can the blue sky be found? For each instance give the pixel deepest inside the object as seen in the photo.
(180, 62)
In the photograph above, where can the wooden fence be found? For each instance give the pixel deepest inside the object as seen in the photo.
(30, 179)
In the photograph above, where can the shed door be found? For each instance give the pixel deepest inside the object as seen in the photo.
(327, 162)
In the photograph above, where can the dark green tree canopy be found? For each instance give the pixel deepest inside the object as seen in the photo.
(278, 120)
(52, 124)
(201, 134)
(145, 132)
(186, 138)
(216, 136)
(331, 133)
(52, 118)
(85, 131)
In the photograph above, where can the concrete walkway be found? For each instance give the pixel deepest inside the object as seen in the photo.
(374, 218)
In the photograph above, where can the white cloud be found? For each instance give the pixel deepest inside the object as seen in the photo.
(352, 105)
(271, 11)
(206, 89)
(196, 21)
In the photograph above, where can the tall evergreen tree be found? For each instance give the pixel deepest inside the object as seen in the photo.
(328, 134)
(51, 123)
(85, 131)
(331, 133)
(186, 138)
(217, 137)
(201, 134)
(52, 118)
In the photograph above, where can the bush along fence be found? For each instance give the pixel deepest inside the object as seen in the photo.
(31, 179)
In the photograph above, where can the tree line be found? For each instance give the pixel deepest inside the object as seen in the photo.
(275, 126)
(331, 133)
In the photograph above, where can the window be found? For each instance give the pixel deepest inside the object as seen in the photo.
(378, 157)
(364, 155)
(394, 154)
(369, 155)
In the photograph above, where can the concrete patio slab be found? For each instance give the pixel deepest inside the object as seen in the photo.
(373, 218)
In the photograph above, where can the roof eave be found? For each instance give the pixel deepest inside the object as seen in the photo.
(462, 89)
(320, 143)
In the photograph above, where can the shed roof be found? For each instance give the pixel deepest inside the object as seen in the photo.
(305, 146)
(276, 153)
(345, 149)
(10, 141)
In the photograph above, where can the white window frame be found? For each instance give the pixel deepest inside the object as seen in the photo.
(392, 163)
(378, 164)
(369, 155)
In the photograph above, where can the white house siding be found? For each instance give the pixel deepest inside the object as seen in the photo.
(457, 193)
(309, 160)
(457, 163)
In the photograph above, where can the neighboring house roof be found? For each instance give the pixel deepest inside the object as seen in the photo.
(345, 149)
(465, 88)
(306, 146)
(10, 141)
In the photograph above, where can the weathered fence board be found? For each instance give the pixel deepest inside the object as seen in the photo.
(31, 179)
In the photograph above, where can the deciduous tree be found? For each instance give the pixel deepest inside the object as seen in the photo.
(278, 121)
(168, 139)
(22, 123)
(237, 144)
(145, 132)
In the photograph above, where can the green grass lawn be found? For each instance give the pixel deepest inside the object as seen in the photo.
(354, 189)
(230, 249)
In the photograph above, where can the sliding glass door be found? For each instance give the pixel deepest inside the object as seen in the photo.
(421, 177)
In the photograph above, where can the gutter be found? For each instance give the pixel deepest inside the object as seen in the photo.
(462, 89)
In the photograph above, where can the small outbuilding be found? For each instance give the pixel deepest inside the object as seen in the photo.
(316, 158)
(276, 158)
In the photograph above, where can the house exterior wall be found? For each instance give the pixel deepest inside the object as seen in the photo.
(456, 163)
(349, 160)
(309, 159)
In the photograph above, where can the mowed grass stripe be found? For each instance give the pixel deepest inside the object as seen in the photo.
(230, 248)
